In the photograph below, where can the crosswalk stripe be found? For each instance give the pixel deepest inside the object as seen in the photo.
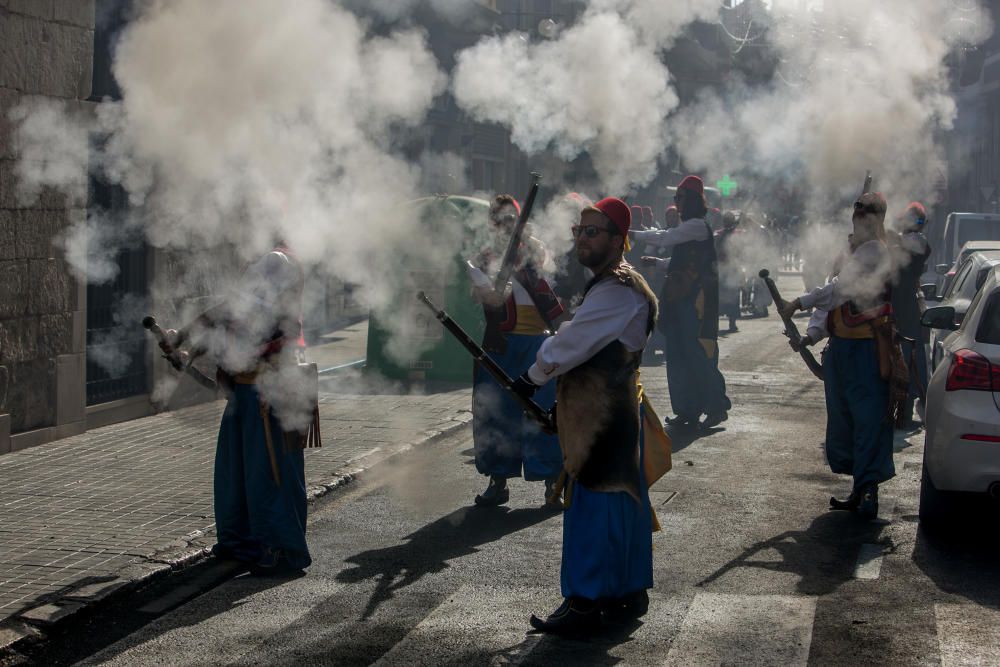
(869, 563)
(968, 634)
(723, 628)
(496, 617)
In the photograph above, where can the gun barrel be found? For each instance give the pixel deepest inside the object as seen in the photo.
(510, 256)
(534, 410)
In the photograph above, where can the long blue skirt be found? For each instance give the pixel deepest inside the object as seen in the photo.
(858, 434)
(257, 519)
(505, 439)
(693, 378)
(607, 543)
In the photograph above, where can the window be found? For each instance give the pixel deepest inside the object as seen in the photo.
(989, 325)
(958, 282)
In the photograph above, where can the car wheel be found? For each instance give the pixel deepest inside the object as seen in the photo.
(936, 507)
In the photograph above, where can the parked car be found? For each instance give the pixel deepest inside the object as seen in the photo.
(959, 229)
(961, 465)
(948, 272)
(968, 279)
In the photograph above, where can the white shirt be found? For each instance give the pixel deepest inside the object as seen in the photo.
(481, 280)
(694, 229)
(610, 311)
(816, 329)
(862, 279)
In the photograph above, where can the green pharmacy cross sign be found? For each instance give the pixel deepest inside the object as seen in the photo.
(726, 186)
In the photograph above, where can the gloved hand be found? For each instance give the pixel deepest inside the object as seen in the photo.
(524, 386)
(552, 429)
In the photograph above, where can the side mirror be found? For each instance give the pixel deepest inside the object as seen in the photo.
(930, 292)
(942, 269)
(939, 317)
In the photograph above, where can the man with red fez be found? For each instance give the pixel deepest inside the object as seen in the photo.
(689, 311)
(672, 217)
(507, 443)
(858, 433)
(635, 212)
(910, 250)
(647, 218)
(731, 275)
(607, 559)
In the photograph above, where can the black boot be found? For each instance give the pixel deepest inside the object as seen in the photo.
(848, 505)
(574, 616)
(868, 507)
(495, 494)
(632, 606)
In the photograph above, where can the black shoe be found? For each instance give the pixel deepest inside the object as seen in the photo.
(632, 606)
(848, 505)
(868, 507)
(495, 494)
(680, 421)
(575, 616)
(714, 419)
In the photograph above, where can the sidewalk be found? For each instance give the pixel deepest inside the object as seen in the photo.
(84, 516)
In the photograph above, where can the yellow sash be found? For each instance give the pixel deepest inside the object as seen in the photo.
(529, 322)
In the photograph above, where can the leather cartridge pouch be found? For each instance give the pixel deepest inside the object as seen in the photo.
(306, 394)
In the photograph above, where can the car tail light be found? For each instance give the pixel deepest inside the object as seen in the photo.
(977, 437)
(971, 370)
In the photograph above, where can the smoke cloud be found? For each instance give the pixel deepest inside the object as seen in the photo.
(858, 85)
(597, 89)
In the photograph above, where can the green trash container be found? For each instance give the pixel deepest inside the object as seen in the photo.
(443, 358)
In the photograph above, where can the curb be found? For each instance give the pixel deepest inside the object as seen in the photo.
(38, 623)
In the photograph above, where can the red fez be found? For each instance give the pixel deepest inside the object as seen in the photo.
(617, 212)
(692, 183)
(635, 213)
(917, 211)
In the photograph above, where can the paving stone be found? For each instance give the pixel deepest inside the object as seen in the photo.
(51, 613)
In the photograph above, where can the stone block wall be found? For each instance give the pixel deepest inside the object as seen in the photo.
(46, 50)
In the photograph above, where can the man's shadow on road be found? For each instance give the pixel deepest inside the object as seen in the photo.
(683, 436)
(824, 555)
(428, 550)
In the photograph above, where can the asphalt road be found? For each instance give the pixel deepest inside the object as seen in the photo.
(751, 567)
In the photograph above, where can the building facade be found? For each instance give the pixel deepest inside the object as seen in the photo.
(46, 50)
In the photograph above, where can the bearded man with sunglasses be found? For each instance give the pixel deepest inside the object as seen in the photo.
(517, 322)
(607, 554)
(858, 300)
(689, 316)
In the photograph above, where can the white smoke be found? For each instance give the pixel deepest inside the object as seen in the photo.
(858, 85)
(596, 89)
(394, 10)
(52, 141)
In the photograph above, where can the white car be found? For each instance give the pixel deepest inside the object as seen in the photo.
(962, 445)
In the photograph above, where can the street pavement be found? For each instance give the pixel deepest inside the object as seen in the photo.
(751, 567)
(85, 516)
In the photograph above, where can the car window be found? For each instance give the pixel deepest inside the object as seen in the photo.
(959, 280)
(971, 284)
(977, 230)
(989, 324)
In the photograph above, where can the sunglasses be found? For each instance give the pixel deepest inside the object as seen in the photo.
(590, 231)
(503, 219)
(860, 207)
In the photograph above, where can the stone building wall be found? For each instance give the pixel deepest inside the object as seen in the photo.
(46, 49)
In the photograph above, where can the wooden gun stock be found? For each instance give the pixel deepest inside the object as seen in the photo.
(791, 330)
